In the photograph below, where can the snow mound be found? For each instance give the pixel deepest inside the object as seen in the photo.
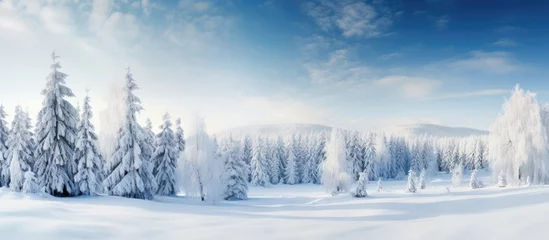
(420, 129)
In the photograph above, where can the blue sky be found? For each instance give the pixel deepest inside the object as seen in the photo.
(349, 63)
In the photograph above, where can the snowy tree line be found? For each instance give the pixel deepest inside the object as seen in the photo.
(297, 159)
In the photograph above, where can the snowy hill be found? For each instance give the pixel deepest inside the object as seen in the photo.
(417, 129)
(420, 129)
(272, 130)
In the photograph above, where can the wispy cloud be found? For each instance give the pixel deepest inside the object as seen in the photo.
(504, 42)
(412, 87)
(493, 62)
(442, 22)
(389, 56)
(480, 93)
(351, 18)
(337, 68)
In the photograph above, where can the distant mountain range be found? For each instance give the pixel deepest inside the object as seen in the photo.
(419, 129)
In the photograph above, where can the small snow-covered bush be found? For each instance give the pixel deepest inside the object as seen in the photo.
(411, 186)
(360, 191)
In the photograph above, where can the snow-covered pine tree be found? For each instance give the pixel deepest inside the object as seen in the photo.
(360, 190)
(319, 157)
(474, 183)
(56, 137)
(411, 185)
(165, 158)
(213, 168)
(30, 185)
(273, 161)
(457, 175)
(19, 153)
(149, 139)
(235, 174)
(422, 180)
(357, 155)
(4, 163)
(307, 165)
(335, 177)
(247, 154)
(89, 176)
(502, 180)
(379, 185)
(280, 154)
(291, 170)
(130, 172)
(259, 164)
(179, 137)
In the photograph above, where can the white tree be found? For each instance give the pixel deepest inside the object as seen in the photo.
(474, 183)
(4, 163)
(129, 169)
(202, 166)
(246, 154)
(165, 159)
(379, 185)
(519, 141)
(411, 185)
(235, 174)
(259, 164)
(360, 190)
(280, 155)
(422, 180)
(56, 136)
(335, 177)
(502, 180)
(149, 139)
(179, 137)
(89, 176)
(457, 175)
(291, 171)
(30, 185)
(19, 153)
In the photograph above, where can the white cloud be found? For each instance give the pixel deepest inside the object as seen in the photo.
(389, 56)
(442, 22)
(101, 10)
(493, 62)
(336, 69)
(505, 43)
(479, 93)
(352, 18)
(412, 87)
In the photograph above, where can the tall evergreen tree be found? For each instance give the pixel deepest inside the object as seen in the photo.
(292, 170)
(148, 138)
(319, 157)
(89, 176)
(4, 163)
(130, 172)
(56, 136)
(235, 174)
(179, 137)
(273, 161)
(259, 164)
(165, 159)
(19, 153)
(281, 156)
(247, 154)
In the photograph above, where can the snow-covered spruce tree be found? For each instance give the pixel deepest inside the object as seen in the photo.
(273, 162)
(320, 157)
(259, 164)
(379, 185)
(56, 137)
(411, 185)
(246, 154)
(165, 159)
(19, 153)
(457, 175)
(291, 170)
(179, 137)
(129, 171)
(422, 180)
(149, 138)
(360, 190)
(31, 140)
(474, 183)
(307, 165)
(335, 177)
(4, 163)
(30, 185)
(280, 154)
(89, 176)
(502, 180)
(518, 139)
(235, 174)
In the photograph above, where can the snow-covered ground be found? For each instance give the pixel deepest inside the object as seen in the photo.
(289, 212)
